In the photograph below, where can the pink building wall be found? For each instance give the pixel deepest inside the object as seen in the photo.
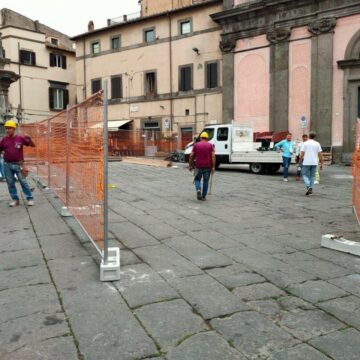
(299, 80)
(345, 29)
(252, 83)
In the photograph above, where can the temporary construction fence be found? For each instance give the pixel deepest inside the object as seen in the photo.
(71, 158)
(149, 143)
(356, 173)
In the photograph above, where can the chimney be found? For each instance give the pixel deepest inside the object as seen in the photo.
(91, 26)
(36, 25)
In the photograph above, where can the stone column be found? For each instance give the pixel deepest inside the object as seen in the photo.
(227, 46)
(322, 78)
(279, 78)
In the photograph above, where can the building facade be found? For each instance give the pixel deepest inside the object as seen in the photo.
(163, 70)
(293, 65)
(45, 60)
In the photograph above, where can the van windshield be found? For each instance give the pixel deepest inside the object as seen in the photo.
(210, 132)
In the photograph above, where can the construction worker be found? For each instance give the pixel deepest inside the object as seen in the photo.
(204, 155)
(12, 146)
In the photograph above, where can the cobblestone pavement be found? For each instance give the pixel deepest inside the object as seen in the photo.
(240, 276)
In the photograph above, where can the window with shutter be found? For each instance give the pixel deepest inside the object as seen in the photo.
(150, 84)
(212, 75)
(27, 57)
(51, 98)
(52, 60)
(116, 87)
(58, 95)
(185, 78)
(64, 62)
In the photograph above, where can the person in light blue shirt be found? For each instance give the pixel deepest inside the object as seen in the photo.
(287, 149)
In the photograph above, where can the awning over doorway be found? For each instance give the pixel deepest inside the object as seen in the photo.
(113, 125)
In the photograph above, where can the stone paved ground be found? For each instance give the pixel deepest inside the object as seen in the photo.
(240, 276)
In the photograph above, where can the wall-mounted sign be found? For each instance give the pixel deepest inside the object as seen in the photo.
(134, 108)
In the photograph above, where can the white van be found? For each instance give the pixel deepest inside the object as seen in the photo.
(234, 145)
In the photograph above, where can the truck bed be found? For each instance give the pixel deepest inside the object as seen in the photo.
(265, 157)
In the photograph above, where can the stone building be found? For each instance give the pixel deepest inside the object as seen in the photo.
(286, 60)
(163, 69)
(45, 61)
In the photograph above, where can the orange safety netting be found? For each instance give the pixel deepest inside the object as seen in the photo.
(69, 157)
(142, 143)
(356, 173)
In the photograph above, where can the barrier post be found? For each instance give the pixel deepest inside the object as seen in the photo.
(106, 175)
(65, 209)
(48, 151)
(110, 265)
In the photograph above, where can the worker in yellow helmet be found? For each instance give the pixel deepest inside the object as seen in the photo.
(12, 146)
(204, 154)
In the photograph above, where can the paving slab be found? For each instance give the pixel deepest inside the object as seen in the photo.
(96, 312)
(167, 262)
(315, 291)
(307, 324)
(299, 352)
(170, 322)
(59, 348)
(12, 304)
(214, 239)
(140, 285)
(21, 259)
(339, 345)
(31, 329)
(127, 257)
(258, 292)
(208, 297)
(320, 268)
(243, 331)
(18, 240)
(198, 253)
(131, 235)
(204, 346)
(350, 283)
(163, 231)
(15, 278)
(270, 308)
(294, 303)
(347, 309)
(61, 246)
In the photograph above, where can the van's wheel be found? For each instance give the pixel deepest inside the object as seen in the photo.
(273, 168)
(217, 165)
(256, 168)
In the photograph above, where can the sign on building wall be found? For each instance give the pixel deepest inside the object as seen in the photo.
(167, 123)
(303, 122)
(134, 108)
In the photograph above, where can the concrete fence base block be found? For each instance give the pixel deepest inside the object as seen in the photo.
(65, 212)
(340, 244)
(111, 270)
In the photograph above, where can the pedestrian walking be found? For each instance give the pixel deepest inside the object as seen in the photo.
(298, 156)
(204, 155)
(311, 153)
(12, 146)
(286, 147)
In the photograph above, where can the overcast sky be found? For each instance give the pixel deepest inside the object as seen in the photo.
(71, 16)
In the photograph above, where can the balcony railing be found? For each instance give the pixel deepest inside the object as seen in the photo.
(124, 18)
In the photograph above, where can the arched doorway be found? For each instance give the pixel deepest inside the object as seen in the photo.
(351, 67)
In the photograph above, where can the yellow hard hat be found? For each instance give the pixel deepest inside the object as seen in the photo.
(10, 124)
(204, 135)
